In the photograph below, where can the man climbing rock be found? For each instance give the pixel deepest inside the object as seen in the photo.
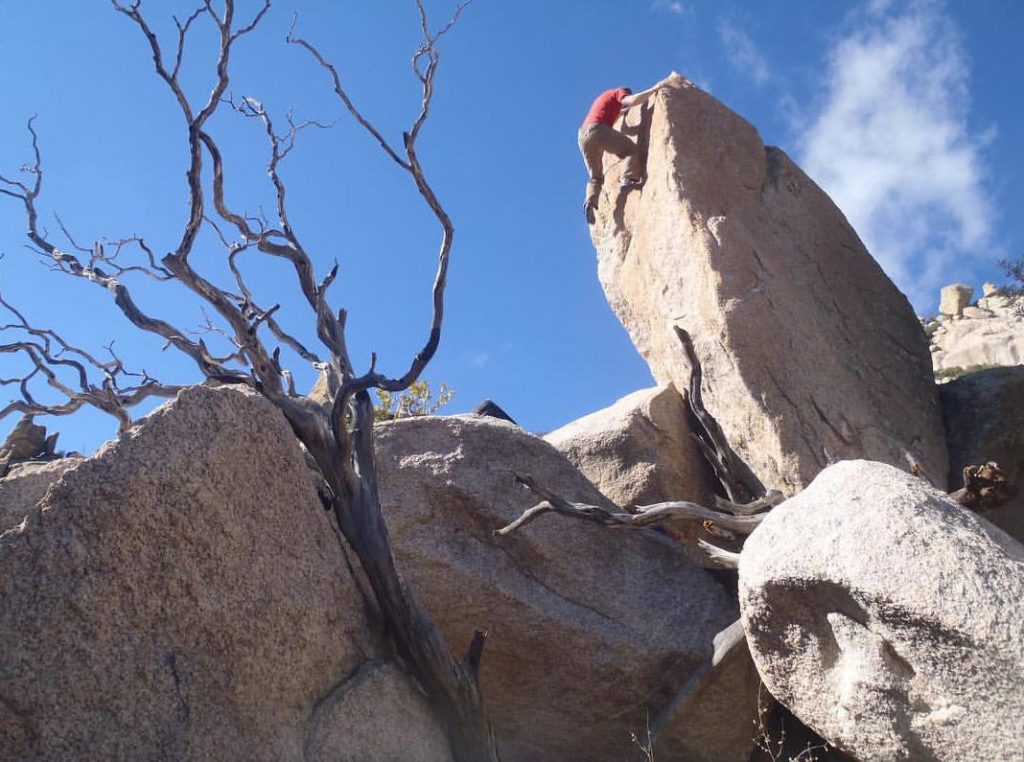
(598, 135)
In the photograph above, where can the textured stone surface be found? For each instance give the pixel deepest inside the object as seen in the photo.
(887, 618)
(810, 353)
(638, 451)
(375, 714)
(26, 440)
(641, 451)
(180, 595)
(984, 415)
(25, 485)
(588, 627)
(731, 691)
(953, 298)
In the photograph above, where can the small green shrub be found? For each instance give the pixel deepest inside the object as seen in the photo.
(1014, 270)
(948, 374)
(418, 399)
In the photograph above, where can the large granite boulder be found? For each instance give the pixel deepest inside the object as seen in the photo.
(182, 595)
(810, 353)
(984, 416)
(888, 619)
(638, 451)
(592, 631)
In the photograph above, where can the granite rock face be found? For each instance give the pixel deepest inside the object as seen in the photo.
(810, 353)
(375, 714)
(887, 618)
(181, 595)
(583, 622)
(641, 451)
(25, 485)
(984, 415)
(638, 451)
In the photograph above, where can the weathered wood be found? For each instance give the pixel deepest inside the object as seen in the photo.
(646, 516)
(724, 558)
(986, 486)
(450, 685)
(739, 482)
(768, 500)
(724, 643)
(681, 509)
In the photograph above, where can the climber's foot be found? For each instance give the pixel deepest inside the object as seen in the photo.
(628, 183)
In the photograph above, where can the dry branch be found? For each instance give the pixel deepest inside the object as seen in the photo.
(770, 499)
(736, 477)
(724, 643)
(47, 351)
(986, 486)
(646, 516)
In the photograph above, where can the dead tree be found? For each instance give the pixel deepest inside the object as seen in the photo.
(339, 435)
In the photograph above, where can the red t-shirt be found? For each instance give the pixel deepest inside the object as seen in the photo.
(606, 108)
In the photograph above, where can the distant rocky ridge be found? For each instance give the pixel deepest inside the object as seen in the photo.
(968, 335)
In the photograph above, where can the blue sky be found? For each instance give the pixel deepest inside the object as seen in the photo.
(907, 112)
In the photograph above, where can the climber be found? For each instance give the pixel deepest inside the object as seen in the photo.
(598, 135)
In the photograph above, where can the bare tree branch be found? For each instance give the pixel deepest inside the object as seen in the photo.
(729, 641)
(70, 264)
(256, 20)
(47, 350)
(182, 34)
(725, 558)
(770, 499)
(650, 515)
(739, 482)
(340, 92)
(646, 516)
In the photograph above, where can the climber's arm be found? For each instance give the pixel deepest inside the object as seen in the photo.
(637, 98)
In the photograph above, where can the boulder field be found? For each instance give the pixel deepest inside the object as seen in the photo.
(182, 594)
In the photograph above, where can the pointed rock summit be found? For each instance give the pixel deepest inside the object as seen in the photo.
(810, 353)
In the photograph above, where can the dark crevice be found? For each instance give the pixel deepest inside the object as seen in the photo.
(186, 712)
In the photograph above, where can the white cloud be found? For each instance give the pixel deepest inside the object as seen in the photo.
(672, 6)
(892, 146)
(743, 53)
